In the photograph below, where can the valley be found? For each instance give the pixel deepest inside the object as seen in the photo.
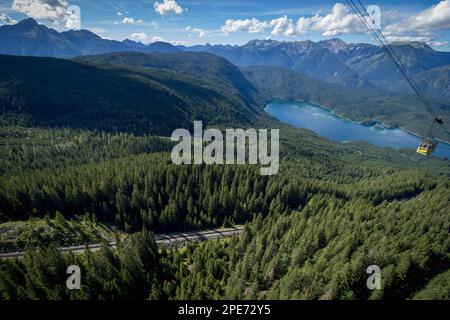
(334, 127)
(353, 65)
(361, 105)
(85, 159)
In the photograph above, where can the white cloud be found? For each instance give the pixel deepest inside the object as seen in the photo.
(408, 39)
(338, 21)
(128, 20)
(119, 13)
(306, 24)
(158, 38)
(178, 43)
(168, 7)
(434, 18)
(73, 19)
(283, 25)
(200, 32)
(341, 20)
(438, 43)
(250, 25)
(42, 9)
(421, 26)
(173, 42)
(430, 40)
(139, 36)
(56, 11)
(5, 19)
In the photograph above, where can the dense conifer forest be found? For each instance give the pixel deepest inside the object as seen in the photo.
(90, 163)
(310, 231)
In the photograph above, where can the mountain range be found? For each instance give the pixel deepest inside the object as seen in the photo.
(28, 38)
(333, 61)
(219, 84)
(351, 65)
(156, 93)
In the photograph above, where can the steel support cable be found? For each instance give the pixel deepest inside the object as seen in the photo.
(394, 56)
(379, 37)
(388, 52)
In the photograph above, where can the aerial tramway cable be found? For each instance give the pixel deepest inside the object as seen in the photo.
(381, 39)
(399, 63)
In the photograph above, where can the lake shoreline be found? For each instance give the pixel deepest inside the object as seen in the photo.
(329, 124)
(369, 124)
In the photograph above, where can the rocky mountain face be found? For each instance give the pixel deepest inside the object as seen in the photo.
(28, 38)
(352, 65)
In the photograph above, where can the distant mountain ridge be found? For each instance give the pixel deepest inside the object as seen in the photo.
(28, 38)
(359, 65)
(352, 65)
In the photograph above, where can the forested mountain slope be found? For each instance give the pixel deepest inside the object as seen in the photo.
(330, 212)
(433, 83)
(312, 230)
(211, 70)
(61, 93)
(264, 83)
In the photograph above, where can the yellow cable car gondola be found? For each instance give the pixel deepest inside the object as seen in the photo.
(427, 147)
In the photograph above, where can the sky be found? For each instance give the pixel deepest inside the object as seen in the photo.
(191, 22)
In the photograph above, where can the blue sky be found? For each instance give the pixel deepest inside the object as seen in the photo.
(238, 21)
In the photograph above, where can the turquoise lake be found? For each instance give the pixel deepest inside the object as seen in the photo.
(333, 127)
